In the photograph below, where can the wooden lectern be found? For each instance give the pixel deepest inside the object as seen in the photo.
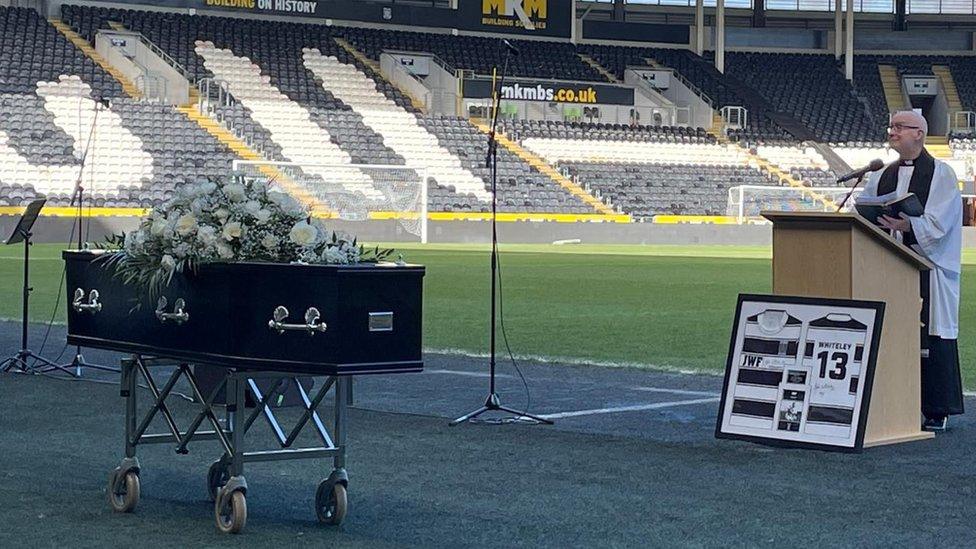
(842, 255)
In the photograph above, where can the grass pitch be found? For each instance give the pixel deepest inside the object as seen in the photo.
(655, 306)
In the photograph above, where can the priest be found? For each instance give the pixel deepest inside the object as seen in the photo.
(936, 235)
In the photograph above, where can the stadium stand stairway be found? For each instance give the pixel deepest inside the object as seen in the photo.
(891, 85)
(599, 68)
(88, 50)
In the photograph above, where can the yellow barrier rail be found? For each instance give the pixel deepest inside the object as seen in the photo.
(433, 216)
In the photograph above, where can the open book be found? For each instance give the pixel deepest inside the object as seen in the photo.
(892, 205)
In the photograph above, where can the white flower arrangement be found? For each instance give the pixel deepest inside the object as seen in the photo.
(234, 220)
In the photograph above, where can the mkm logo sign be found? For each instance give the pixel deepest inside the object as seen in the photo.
(531, 14)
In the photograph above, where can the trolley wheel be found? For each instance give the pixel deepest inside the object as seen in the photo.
(330, 502)
(123, 495)
(217, 476)
(231, 512)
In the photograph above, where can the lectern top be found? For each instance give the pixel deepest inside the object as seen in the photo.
(830, 220)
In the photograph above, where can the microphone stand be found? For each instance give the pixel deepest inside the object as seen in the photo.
(492, 402)
(78, 196)
(850, 192)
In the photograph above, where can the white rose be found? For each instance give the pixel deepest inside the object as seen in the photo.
(186, 225)
(168, 263)
(269, 242)
(303, 234)
(262, 215)
(235, 192)
(232, 230)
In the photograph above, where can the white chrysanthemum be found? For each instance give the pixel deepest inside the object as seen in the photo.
(188, 190)
(235, 192)
(186, 225)
(252, 207)
(262, 215)
(303, 234)
(224, 251)
(182, 250)
(207, 235)
(269, 241)
(158, 226)
(232, 230)
(222, 214)
(207, 188)
(334, 255)
(286, 202)
(168, 263)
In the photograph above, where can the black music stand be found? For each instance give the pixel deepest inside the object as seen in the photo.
(22, 233)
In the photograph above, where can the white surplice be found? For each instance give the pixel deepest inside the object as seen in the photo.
(939, 235)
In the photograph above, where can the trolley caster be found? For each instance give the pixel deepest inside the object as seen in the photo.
(217, 476)
(230, 506)
(331, 503)
(123, 486)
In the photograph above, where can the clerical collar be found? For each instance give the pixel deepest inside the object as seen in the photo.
(909, 163)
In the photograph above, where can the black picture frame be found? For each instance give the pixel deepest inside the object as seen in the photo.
(877, 306)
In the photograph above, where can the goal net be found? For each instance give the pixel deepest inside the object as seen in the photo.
(367, 196)
(747, 201)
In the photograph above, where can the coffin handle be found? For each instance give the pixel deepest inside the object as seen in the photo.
(79, 305)
(179, 315)
(312, 321)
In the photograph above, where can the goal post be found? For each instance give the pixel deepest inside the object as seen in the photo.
(745, 202)
(352, 192)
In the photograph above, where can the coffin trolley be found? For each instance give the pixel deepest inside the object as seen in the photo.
(234, 323)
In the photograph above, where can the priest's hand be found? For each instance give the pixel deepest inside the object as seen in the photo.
(896, 223)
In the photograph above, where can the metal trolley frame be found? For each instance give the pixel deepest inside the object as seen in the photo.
(225, 478)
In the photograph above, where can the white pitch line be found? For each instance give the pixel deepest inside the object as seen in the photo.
(675, 391)
(469, 374)
(636, 408)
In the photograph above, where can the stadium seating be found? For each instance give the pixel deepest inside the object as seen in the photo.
(58, 107)
(33, 51)
(644, 178)
(536, 59)
(646, 189)
(812, 88)
(700, 72)
(303, 98)
(553, 129)
(298, 95)
(803, 163)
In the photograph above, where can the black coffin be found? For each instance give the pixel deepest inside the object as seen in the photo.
(372, 316)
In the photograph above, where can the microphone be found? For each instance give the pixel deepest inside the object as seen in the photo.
(511, 47)
(874, 166)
